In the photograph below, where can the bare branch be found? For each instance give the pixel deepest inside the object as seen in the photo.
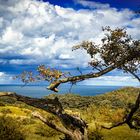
(113, 126)
(50, 124)
(136, 76)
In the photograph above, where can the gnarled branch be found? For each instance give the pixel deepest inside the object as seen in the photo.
(50, 124)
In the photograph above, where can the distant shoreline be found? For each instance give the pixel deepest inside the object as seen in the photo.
(40, 91)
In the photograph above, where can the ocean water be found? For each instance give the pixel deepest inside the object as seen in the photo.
(41, 91)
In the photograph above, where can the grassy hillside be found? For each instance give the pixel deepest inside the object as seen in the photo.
(103, 109)
(121, 96)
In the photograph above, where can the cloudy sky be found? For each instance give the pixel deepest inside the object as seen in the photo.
(34, 32)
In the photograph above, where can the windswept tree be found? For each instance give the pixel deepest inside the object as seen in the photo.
(117, 50)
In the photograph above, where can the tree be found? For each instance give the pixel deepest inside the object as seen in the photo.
(117, 51)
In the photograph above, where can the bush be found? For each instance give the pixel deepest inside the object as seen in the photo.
(2, 103)
(6, 111)
(9, 129)
(95, 136)
(8, 100)
(27, 121)
(46, 131)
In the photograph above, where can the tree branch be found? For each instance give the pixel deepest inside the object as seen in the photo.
(136, 76)
(50, 124)
(53, 86)
(49, 105)
(113, 126)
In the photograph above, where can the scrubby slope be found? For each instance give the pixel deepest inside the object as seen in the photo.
(98, 110)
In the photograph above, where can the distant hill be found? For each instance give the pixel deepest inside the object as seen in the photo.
(118, 98)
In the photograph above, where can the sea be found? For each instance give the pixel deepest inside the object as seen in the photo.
(39, 91)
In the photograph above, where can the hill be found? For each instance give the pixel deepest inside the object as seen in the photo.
(117, 98)
(103, 109)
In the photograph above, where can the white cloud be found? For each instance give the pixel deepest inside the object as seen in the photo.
(1, 74)
(65, 56)
(20, 61)
(45, 32)
(5, 78)
(44, 42)
(92, 4)
(113, 80)
(11, 37)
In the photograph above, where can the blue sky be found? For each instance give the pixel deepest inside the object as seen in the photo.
(119, 4)
(34, 32)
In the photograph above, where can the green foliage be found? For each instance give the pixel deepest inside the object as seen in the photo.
(117, 48)
(120, 133)
(2, 103)
(27, 121)
(117, 99)
(10, 129)
(7, 100)
(96, 135)
(6, 111)
(46, 131)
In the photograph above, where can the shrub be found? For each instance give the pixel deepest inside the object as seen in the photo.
(2, 103)
(9, 129)
(8, 100)
(27, 121)
(6, 111)
(96, 135)
(46, 131)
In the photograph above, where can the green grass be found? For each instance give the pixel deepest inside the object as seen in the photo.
(121, 133)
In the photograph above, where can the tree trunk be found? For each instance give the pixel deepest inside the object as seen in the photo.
(77, 135)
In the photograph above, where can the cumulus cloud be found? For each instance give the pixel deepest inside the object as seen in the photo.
(11, 37)
(45, 33)
(36, 32)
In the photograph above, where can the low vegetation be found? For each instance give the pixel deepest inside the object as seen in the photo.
(17, 122)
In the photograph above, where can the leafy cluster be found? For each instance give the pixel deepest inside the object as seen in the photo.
(43, 73)
(49, 74)
(117, 49)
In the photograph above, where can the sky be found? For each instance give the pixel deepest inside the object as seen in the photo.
(34, 32)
